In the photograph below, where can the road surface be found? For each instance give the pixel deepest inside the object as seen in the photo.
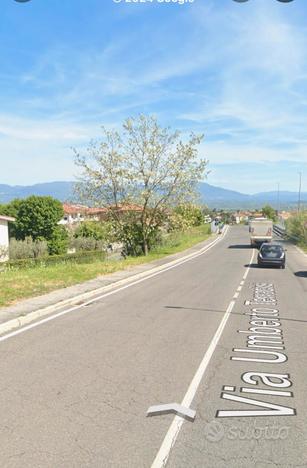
(74, 391)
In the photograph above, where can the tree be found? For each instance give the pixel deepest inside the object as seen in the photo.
(11, 209)
(269, 212)
(144, 165)
(58, 242)
(226, 217)
(191, 213)
(38, 217)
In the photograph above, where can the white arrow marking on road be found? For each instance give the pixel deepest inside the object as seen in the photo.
(175, 408)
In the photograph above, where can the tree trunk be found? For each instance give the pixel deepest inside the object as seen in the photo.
(145, 247)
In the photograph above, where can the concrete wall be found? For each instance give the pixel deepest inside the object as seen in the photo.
(4, 238)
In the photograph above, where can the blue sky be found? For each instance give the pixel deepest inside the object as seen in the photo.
(236, 72)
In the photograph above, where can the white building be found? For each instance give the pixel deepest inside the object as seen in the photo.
(75, 214)
(4, 237)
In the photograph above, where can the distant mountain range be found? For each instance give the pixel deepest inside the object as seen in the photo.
(212, 196)
(61, 190)
(217, 197)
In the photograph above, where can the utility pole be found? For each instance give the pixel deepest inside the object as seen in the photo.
(299, 193)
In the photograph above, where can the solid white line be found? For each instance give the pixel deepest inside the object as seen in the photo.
(115, 291)
(172, 434)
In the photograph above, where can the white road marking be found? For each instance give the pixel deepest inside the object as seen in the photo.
(263, 335)
(174, 429)
(247, 271)
(228, 388)
(236, 295)
(110, 293)
(186, 413)
(239, 288)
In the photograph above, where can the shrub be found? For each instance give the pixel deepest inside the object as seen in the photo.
(191, 213)
(96, 230)
(21, 249)
(87, 244)
(80, 257)
(131, 234)
(297, 227)
(3, 253)
(59, 241)
(178, 223)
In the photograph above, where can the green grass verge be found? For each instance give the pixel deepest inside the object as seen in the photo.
(303, 247)
(24, 283)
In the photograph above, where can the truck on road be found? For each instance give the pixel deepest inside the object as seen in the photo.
(261, 230)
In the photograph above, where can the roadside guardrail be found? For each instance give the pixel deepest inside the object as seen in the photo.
(281, 232)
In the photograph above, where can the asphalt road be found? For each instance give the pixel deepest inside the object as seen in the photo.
(74, 391)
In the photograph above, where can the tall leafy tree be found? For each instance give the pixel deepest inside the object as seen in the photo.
(11, 209)
(38, 217)
(269, 212)
(145, 165)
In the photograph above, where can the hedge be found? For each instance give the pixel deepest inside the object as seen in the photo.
(78, 257)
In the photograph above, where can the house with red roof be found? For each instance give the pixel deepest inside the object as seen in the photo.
(78, 213)
(75, 213)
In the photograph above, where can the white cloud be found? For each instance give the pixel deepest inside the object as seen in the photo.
(255, 101)
(17, 128)
(223, 152)
(236, 73)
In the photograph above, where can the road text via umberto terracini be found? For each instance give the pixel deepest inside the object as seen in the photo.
(264, 345)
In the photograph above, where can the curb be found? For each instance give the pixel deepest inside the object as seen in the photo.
(90, 295)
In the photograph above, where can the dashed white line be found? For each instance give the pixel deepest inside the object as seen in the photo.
(246, 273)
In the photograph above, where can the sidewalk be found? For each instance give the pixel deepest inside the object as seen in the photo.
(79, 293)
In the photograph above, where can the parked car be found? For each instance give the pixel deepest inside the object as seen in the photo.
(271, 254)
